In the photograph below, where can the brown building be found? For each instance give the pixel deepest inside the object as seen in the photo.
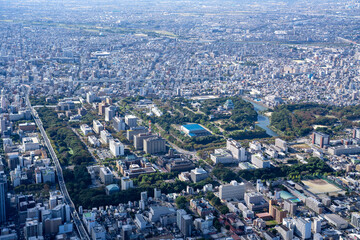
(277, 213)
(27, 127)
(102, 107)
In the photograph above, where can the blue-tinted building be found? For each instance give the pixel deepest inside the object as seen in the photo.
(194, 130)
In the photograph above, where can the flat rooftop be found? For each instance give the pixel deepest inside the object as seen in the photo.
(193, 127)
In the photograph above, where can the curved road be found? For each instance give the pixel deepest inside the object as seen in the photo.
(77, 221)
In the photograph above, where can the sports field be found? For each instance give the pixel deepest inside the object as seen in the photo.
(320, 186)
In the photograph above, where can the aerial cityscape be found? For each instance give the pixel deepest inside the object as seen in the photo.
(155, 119)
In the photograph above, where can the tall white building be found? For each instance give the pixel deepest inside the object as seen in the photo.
(282, 144)
(355, 220)
(118, 124)
(234, 190)
(97, 126)
(238, 152)
(110, 113)
(259, 161)
(131, 121)
(302, 228)
(126, 183)
(116, 147)
(90, 97)
(106, 175)
(317, 225)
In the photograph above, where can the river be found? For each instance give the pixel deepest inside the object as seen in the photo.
(263, 121)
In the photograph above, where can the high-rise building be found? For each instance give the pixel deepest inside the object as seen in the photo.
(234, 190)
(134, 131)
(238, 152)
(157, 193)
(126, 232)
(355, 219)
(179, 214)
(143, 196)
(110, 113)
(90, 97)
(302, 228)
(118, 124)
(139, 140)
(31, 229)
(198, 174)
(282, 144)
(131, 121)
(186, 225)
(259, 161)
(97, 126)
(320, 139)
(184, 222)
(102, 107)
(2, 200)
(116, 147)
(126, 183)
(356, 133)
(106, 175)
(154, 145)
(317, 225)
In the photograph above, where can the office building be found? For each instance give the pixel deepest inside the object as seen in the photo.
(2, 200)
(179, 214)
(98, 232)
(106, 175)
(344, 150)
(285, 232)
(139, 140)
(290, 206)
(85, 129)
(316, 225)
(97, 126)
(126, 232)
(110, 113)
(90, 97)
(105, 136)
(30, 143)
(154, 145)
(276, 212)
(234, 190)
(126, 183)
(336, 221)
(355, 219)
(314, 205)
(131, 121)
(237, 151)
(143, 196)
(116, 147)
(320, 139)
(32, 229)
(102, 107)
(134, 131)
(302, 228)
(255, 201)
(186, 225)
(118, 124)
(198, 174)
(259, 161)
(157, 193)
(356, 133)
(281, 144)
(184, 222)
